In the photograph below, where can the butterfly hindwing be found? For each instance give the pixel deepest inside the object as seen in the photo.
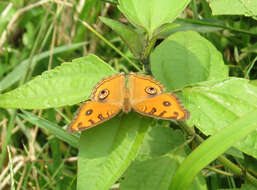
(91, 114)
(164, 106)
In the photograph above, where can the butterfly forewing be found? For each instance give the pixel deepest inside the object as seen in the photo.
(114, 85)
(139, 84)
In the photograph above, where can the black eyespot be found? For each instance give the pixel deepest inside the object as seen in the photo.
(150, 90)
(89, 112)
(166, 103)
(103, 94)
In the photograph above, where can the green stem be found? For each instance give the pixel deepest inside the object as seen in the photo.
(8, 137)
(149, 47)
(219, 171)
(200, 22)
(194, 8)
(109, 44)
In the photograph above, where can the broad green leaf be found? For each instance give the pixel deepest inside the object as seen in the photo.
(55, 129)
(131, 38)
(106, 150)
(151, 174)
(150, 15)
(159, 157)
(212, 148)
(67, 84)
(185, 58)
(234, 7)
(161, 140)
(156, 174)
(215, 104)
(17, 73)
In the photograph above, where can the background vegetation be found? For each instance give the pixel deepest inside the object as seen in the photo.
(203, 50)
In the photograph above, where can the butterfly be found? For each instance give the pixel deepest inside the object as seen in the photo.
(145, 95)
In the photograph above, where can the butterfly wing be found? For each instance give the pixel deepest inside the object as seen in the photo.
(115, 84)
(106, 102)
(138, 85)
(164, 106)
(91, 114)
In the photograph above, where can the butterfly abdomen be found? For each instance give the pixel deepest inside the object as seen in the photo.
(126, 104)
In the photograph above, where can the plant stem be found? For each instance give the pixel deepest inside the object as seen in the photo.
(8, 137)
(109, 44)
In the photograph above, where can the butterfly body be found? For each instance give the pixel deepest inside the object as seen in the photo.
(144, 95)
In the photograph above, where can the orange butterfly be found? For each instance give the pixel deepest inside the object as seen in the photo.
(144, 95)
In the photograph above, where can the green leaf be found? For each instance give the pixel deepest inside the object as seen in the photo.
(150, 174)
(215, 104)
(106, 150)
(161, 140)
(131, 38)
(17, 73)
(185, 58)
(150, 15)
(67, 84)
(159, 157)
(211, 149)
(55, 129)
(234, 7)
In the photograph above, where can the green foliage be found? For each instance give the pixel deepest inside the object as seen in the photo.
(214, 146)
(117, 142)
(231, 7)
(186, 58)
(48, 90)
(60, 133)
(52, 57)
(150, 15)
(131, 38)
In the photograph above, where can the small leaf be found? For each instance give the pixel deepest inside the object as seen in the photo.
(29, 37)
(106, 150)
(234, 7)
(211, 149)
(150, 15)
(131, 38)
(186, 58)
(200, 26)
(215, 104)
(67, 84)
